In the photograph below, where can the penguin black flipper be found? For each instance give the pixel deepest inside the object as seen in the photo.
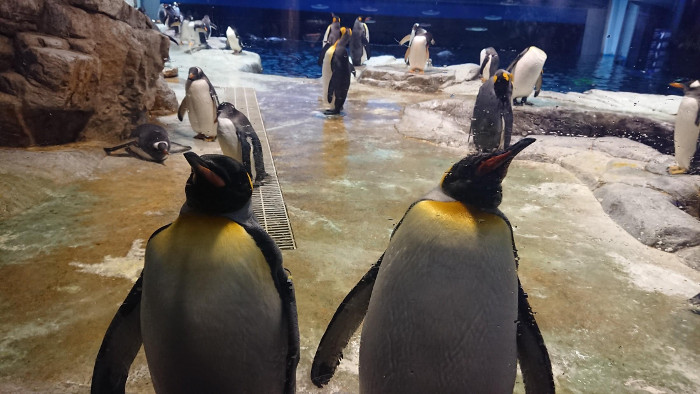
(121, 343)
(538, 85)
(112, 149)
(345, 321)
(182, 109)
(532, 352)
(323, 54)
(513, 63)
(245, 151)
(697, 117)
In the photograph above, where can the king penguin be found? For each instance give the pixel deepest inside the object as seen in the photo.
(526, 70)
(443, 308)
(359, 42)
(233, 40)
(335, 73)
(213, 307)
(492, 119)
(488, 58)
(686, 132)
(200, 103)
(417, 53)
(331, 35)
(233, 132)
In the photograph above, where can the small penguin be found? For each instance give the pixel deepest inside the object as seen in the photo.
(200, 103)
(417, 53)
(488, 58)
(336, 72)
(233, 40)
(526, 70)
(189, 34)
(359, 43)
(492, 119)
(152, 144)
(233, 131)
(213, 307)
(686, 133)
(206, 21)
(443, 308)
(329, 38)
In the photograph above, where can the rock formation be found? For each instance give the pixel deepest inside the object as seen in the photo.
(75, 69)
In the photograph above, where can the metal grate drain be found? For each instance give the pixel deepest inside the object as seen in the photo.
(268, 203)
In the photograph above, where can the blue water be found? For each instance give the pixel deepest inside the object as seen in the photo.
(299, 59)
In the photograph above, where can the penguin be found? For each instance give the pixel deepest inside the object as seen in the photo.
(359, 42)
(336, 72)
(488, 58)
(233, 131)
(686, 132)
(170, 16)
(526, 70)
(152, 144)
(202, 28)
(200, 103)
(206, 21)
(233, 40)
(189, 33)
(417, 53)
(443, 308)
(492, 119)
(329, 38)
(213, 307)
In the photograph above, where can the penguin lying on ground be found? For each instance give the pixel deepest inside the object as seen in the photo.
(359, 42)
(492, 119)
(214, 307)
(329, 38)
(335, 73)
(686, 134)
(526, 70)
(233, 40)
(233, 131)
(152, 144)
(488, 58)
(417, 53)
(200, 103)
(443, 308)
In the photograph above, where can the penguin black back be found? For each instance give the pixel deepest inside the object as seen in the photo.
(341, 69)
(218, 184)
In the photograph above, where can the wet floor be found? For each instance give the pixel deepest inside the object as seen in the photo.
(612, 311)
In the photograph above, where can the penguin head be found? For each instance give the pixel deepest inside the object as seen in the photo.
(195, 73)
(688, 86)
(502, 85)
(476, 179)
(226, 109)
(218, 184)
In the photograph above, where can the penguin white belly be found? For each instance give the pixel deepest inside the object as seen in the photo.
(201, 108)
(526, 72)
(326, 75)
(210, 312)
(418, 55)
(228, 139)
(487, 68)
(482, 55)
(233, 41)
(686, 133)
(442, 313)
(187, 33)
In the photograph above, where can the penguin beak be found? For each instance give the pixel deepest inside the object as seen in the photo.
(199, 169)
(502, 158)
(676, 85)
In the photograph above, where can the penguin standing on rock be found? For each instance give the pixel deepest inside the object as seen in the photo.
(233, 40)
(686, 134)
(488, 58)
(200, 103)
(492, 119)
(233, 131)
(527, 73)
(329, 38)
(443, 308)
(336, 72)
(213, 307)
(359, 43)
(417, 53)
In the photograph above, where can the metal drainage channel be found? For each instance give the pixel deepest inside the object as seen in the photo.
(268, 203)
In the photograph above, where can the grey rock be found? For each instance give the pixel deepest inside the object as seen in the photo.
(166, 102)
(465, 72)
(7, 53)
(19, 15)
(400, 79)
(691, 257)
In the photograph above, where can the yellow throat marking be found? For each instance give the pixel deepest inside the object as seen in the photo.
(456, 216)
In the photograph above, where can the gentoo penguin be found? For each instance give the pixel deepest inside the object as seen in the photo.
(188, 33)
(213, 307)
(151, 144)
(329, 38)
(492, 119)
(200, 102)
(233, 40)
(417, 53)
(443, 308)
(233, 131)
(526, 70)
(335, 73)
(488, 58)
(687, 130)
(359, 42)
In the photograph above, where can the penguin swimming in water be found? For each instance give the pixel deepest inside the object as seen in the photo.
(686, 133)
(443, 308)
(526, 70)
(417, 53)
(492, 119)
(336, 72)
(488, 58)
(213, 307)
(329, 38)
(200, 103)
(359, 42)
(233, 40)
(233, 131)
(152, 144)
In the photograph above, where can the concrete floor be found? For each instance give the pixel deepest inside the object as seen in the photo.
(612, 311)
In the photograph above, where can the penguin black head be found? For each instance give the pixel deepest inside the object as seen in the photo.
(195, 73)
(226, 109)
(218, 184)
(476, 179)
(502, 85)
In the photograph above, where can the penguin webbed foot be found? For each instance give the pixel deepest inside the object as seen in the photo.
(331, 112)
(676, 170)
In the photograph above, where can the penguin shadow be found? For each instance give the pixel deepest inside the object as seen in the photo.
(334, 148)
(328, 114)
